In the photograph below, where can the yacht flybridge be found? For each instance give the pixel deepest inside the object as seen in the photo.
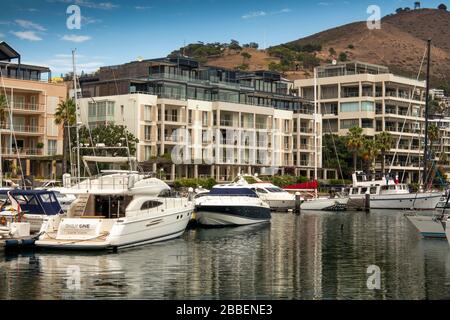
(116, 209)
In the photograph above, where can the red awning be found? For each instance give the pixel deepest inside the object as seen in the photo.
(307, 185)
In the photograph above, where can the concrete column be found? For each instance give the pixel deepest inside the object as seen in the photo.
(27, 167)
(53, 169)
(249, 169)
(325, 174)
(14, 170)
(212, 170)
(196, 171)
(163, 119)
(172, 172)
(218, 173)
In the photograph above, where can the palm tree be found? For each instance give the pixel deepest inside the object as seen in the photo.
(3, 110)
(370, 152)
(433, 135)
(355, 141)
(384, 142)
(65, 115)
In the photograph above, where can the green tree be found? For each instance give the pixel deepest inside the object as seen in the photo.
(384, 142)
(335, 154)
(332, 51)
(370, 153)
(111, 135)
(65, 115)
(433, 135)
(355, 142)
(343, 57)
(3, 110)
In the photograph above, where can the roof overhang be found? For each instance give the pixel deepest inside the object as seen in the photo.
(7, 52)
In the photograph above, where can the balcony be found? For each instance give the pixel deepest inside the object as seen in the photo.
(261, 125)
(172, 118)
(24, 129)
(29, 107)
(13, 152)
(228, 123)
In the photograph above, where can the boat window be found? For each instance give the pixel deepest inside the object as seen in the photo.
(150, 204)
(373, 190)
(391, 187)
(165, 194)
(48, 197)
(363, 190)
(275, 189)
(261, 190)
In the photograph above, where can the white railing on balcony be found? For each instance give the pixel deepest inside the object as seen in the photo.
(29, 106)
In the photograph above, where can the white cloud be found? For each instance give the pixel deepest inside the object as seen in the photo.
(26, 24)
(2, 35)
(89, 20)
(142, 7)
(323, 3)
(75, 38)
(89, 4)
(27, 35)
(254, 14)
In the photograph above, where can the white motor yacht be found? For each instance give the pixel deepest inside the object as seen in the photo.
(389, 194)
(277, 198)
(117, 209)
(231, 204)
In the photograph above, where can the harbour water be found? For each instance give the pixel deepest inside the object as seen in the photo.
(311, 256)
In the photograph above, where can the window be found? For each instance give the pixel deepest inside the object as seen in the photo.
(347, 124)
(147, 153)
(150, 204)
(147, 113)
(147, 132)
(367, 123)
(350, 107)
(52, 147)
(367, 106)
(261, 190)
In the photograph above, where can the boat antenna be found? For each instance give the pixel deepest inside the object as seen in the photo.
(427, 102)
(77, 113)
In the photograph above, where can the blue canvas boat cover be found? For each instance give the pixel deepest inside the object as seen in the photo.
(35, 201)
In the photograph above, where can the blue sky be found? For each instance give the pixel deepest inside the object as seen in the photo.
(114, 31)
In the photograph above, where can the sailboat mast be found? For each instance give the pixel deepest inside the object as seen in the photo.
(315, 123)
(76, 112)
(427, 102)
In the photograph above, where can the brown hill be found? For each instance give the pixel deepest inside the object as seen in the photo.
(399, 44)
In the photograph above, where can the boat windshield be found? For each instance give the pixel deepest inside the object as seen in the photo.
(275, 189)
(233, 192)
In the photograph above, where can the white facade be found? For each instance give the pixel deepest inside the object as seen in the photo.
(224, 138)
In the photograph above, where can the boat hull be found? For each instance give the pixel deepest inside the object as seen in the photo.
(338, 204)
(210, 215)
(409, 201)
(124, 233)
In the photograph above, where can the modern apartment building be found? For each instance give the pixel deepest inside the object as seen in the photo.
(371, 97)
(221, 122)
(28, 131)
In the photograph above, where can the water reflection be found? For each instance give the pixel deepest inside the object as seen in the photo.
(312, 256)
